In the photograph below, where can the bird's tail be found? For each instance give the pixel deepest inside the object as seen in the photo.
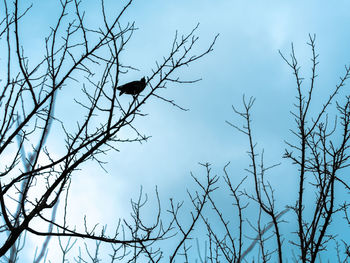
(121, 90)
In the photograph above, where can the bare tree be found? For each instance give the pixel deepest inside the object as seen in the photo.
(84, 62)
(320, 158)
(320, 155)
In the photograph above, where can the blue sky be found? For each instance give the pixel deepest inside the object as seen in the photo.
(245, 60)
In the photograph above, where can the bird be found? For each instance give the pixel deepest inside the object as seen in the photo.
(133, 87)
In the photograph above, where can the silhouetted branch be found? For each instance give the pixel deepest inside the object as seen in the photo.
(74, 55)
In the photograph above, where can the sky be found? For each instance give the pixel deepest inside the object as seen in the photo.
(245, 61)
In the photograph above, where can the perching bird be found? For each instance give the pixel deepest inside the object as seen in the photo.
(133, 87)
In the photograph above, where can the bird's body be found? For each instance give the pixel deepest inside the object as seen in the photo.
(133, 87)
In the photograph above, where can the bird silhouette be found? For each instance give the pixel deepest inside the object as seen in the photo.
(133, 87)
